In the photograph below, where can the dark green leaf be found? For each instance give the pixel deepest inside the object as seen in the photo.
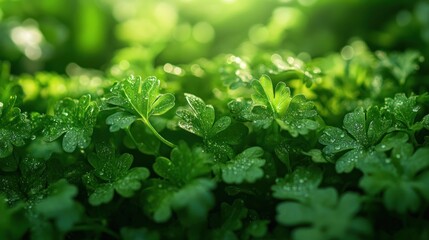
(14, 127)
(245, 167)
(184, 164)
(60, 206)
(114, 173)
(75, 119)
(298, 185)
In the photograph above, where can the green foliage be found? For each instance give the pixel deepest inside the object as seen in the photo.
(261, 145)
(294, 114)
(138, 99)
(59, 206)
(75, 119)
(218, 135)
(246, 166)
(325, 216)
(298, 185)
(112, 173)
(403, 178)
(363, 129)
(13, 223)
(182, 186)
(14, 127)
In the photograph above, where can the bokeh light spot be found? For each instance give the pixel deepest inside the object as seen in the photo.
(347, 52)
(203, 32)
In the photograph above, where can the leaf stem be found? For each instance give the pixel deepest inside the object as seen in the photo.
(127, 130)
(153, 130)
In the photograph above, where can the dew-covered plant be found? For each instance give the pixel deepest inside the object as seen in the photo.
(263, 148)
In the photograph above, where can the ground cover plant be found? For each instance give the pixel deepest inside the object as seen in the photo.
(260, 144)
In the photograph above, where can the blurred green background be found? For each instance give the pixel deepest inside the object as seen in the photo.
(49, 35)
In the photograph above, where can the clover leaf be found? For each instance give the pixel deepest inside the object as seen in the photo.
(325, 216)
(15, 128)
(404, 109)
(294, 114)
(245, 167)
(218, 135)
(13, 223)
(138, 99)
(299, 184)
(200, 118)
(184, 164)
(362, 131)
(60, 206)
(231, 219)
(401, 65)
(75, 119)
(403, 179)
(183, 187)
(112, 173)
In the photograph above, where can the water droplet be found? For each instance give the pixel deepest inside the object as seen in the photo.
(342, 135)
(383, 146)
(398, 155)
(337, 148)
(33, 137)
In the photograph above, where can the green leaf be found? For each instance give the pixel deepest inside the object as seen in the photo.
(13, 223)
(351, 159)
(139, 98)
(403, 109)
(392, 140)
(293, 114)
(60, 206)
(298, 117)
(191, 201)
(120, 120)
(112, 172)
(182, 189)
(362, 131)
(141, 137)
(337, 140)
(277, 101)
(299, 184)
(200, 118)
(400, 179)
(233, 215)
(14, 127)
(76, 120)
(107, 165)
(102, 194)
(184, 165)
(231, 219)
(245, 167)
(401, 65)
(325, 216)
